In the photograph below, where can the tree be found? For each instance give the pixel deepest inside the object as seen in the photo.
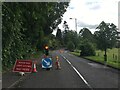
(65, 33)
(26, 26)
(65, 26)
(85, 33)
(70, 46)
(72, 36)
(59, 34)
(53, 42)
(106, 36)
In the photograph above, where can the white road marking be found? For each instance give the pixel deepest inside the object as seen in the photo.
(17, 81)
(79, 74)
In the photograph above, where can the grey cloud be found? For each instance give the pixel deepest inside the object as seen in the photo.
(93, 5)
(85, 25)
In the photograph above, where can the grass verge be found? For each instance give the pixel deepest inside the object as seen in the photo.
(112, 57)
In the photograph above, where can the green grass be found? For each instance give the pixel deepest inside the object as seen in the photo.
(75, 53)
(112, 57)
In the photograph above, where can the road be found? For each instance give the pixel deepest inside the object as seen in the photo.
(76, 72)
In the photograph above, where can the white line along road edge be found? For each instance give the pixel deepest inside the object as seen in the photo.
(17, 81)
(77, 72)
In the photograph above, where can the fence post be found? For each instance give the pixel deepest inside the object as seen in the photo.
(113, 55)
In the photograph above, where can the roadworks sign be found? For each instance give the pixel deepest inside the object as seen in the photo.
(46, 63)
(23, 66)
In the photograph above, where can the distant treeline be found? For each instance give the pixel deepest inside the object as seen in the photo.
(105, 36)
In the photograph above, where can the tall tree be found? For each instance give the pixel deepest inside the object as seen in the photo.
(85, 33)
(65, 33)
(106, 36)
(59, 34)
(72, 36)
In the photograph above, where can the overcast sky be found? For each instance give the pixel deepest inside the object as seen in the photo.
(89, 13)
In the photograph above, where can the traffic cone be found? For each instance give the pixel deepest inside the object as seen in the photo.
(34, 67)
(57, 63)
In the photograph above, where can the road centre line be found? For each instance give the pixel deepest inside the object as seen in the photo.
(79, 74)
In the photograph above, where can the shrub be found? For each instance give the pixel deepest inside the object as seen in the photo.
(87, 49)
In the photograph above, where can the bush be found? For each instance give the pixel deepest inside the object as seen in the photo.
(87, 49)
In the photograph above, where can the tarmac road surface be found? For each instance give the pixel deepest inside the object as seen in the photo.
(75, 72)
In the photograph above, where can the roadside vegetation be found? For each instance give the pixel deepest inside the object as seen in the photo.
(112, 56)
(27, 27)
(101, 46)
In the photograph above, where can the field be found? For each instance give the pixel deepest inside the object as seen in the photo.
(112, 57)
